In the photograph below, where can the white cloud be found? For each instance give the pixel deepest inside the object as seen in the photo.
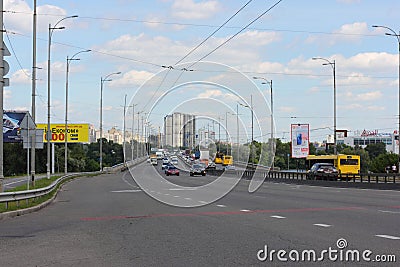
(133, 78)
(349, 1)
(7, 94)
(286, 109)
(189, 9)
(165, 51)
(21, 76)
(20, 19)
(369, 96)
(217, 94)
(346, 33)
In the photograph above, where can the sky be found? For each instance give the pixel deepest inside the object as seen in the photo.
(153, 44)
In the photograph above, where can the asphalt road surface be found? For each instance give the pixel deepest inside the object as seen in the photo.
(109, 221)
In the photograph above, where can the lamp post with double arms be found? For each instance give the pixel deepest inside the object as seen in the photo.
(48, 133)
(252, 127)
(66, 109)
(397, 35)
(333, 65)
(106, 79)
(272, 112)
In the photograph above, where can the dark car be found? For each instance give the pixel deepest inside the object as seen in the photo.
(172, 170)
(323, 171)
(197, 169)
(166, 165)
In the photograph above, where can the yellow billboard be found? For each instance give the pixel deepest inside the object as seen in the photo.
(77, 133)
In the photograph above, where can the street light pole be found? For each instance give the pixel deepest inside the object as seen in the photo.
(397, 35)
(272, 114)
(101, 115)
(333, 65)
(66, 110)
(252, 127)
(48, 133)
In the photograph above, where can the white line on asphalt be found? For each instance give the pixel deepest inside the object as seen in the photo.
(322, 225)
(203, 202)
(188, 198)
(176, 196)
(221, 206)
(15, 182)
(389, 237)
(278, 217)
(126, 191)
(245, 210)
(167, 194)
(182, 189)
(389, 211)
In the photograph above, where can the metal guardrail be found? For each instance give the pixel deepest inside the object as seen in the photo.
(7, 197)
(377, 180)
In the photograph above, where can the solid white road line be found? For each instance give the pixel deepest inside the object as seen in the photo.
(126, 191)
(221, 206)
(322, 225)
(389, 237)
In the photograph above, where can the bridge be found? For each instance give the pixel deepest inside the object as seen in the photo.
(108, 220)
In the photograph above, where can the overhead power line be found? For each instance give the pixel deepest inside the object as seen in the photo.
(214, 32)
(236, 34)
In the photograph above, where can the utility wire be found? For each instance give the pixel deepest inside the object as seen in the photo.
(13, 52)
(214, 32)
(197, 25)
(236, 34)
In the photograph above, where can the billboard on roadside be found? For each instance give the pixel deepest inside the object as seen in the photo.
(76, 133)
(12, 126)
(300, 140)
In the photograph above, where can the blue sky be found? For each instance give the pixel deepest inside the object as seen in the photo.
(138, 37)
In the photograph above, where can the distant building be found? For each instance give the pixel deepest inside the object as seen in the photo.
(364, 138)
(179, 130)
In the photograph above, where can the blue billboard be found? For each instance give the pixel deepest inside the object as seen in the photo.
(12, 126)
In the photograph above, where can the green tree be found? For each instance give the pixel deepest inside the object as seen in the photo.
(374, 150)
(379, 163)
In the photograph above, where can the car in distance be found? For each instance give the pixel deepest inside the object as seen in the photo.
(211, 166)
(165, 165)
(230, 168)
(165, 160)
(323, 171)
(197, 169)
(172, 170)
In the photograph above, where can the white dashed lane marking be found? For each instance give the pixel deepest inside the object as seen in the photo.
(322, 225)
(278, 217)
(221, 206)
(389, 237)
(126, 191)
(245, 210)
(389, 211)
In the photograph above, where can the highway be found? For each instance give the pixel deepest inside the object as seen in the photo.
(109, 220)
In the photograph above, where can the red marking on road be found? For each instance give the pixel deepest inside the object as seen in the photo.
(213, 213)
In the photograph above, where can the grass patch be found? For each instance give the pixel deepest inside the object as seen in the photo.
(38, 184)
